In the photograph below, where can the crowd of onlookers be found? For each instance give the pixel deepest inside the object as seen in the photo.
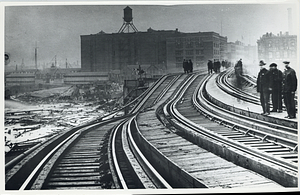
(277, 84)
(271, 82)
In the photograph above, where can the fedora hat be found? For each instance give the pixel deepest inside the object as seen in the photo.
(262, 63)
(286, 62)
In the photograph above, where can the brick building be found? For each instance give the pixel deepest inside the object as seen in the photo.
(277, 48)
(164, 49)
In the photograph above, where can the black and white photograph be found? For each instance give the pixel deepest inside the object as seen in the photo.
(150, 97)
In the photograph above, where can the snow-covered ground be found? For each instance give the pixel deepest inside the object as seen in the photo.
(44, 121)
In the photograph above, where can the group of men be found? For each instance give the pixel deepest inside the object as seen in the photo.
(216, 65)
(277, 84)
(187, 66)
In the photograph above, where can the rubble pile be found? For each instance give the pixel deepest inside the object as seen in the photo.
(35, 116)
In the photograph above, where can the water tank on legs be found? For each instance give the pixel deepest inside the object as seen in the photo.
(127, 14)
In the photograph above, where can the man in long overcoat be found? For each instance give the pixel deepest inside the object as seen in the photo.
(210, 67)
(264, 87)
(276, 77)
(190, 66)
(289, 87)
(185, 66)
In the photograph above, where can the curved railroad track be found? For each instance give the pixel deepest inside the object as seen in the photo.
(137, 151)
(231, 131)
(75, 159)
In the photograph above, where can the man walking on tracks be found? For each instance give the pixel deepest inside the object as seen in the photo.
(289, 86)
(276, 77)
(263, 87)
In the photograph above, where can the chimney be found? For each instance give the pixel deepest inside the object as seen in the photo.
(290, 25)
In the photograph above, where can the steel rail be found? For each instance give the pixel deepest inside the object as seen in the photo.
(143, 170)
(165, 90)
(200, 101)
(223, 84)
(48, 156)
(114, 156)
(242, 95)
(231, 143)
(104, 118)
(157, 179)
(291, 168)
(151, 90)
(141, 159)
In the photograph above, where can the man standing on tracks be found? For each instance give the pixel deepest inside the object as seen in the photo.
(276, 77)
(289, 86)
(263, 87)
(210, 66)
(185, 66)
(190, 66)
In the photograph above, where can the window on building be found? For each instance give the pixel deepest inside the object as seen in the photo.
(189, 52)
(178, 65)
(178, 45)
(179, 59)
(189, 45)
(293, 53)
(270, 55)
(179, 52)
(189, 58)
(198, 58)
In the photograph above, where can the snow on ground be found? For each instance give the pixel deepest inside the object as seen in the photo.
(49, 119)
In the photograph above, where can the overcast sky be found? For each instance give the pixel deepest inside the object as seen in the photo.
(56, 29)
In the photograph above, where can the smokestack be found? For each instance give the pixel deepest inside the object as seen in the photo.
(290, 21)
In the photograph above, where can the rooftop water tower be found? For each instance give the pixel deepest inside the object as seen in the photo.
(127, 23)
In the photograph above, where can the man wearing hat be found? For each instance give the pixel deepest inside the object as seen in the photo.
(276, 85)
(264, 87)
(289, 86)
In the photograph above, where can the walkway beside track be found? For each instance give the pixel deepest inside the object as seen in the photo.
(220, 95)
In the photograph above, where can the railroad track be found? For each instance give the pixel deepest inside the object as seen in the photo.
(281, 153)
(223, 83)
(130, 168)
(75, 159)
(185, 163)
(111, 152)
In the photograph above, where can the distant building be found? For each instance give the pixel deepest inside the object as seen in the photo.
(163, 50)
(276, 48)
(199, 47)
(238, 50)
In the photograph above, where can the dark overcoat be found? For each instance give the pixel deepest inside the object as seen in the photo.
(289, 83)
(276, 77)
(264, 82)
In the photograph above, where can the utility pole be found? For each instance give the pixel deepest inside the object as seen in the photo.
(35, 55)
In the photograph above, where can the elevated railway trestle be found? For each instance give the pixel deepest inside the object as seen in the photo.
(162, 141)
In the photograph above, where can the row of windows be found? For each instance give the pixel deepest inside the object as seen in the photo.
(188, 52)
(285, 54)
(189, 39)
(216, 45)
(197, 59)
(189, 44)
(216, 52)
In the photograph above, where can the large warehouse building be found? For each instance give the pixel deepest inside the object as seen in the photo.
(165, 49)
